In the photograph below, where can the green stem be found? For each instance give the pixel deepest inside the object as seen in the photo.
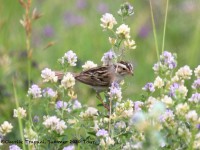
(165, 23)
(154, 31)
(110, 112)
(19, 119)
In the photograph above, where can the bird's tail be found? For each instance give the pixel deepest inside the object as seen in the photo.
(60, 74)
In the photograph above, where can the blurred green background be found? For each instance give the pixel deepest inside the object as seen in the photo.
(75, 25)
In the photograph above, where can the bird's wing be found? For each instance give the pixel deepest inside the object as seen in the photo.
(98, 76)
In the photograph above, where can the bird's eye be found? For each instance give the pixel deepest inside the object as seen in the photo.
(124, 69)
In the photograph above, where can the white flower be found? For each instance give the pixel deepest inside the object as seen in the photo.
(54, 124)
(184, 72)
(130, 44)
(68, 81)
(89, 113)
(19, 112)
(197, 71)
(109, 141)
(120, 125)
(30, 134)
(70, 57)
(102, 142)
(182, 90)
(35, 91)
(108, 21)
(185, 132)
(167, 100)
(96, 125)
(72, 121)
(70, 147)
(196, 144)
(151, 101)
(130, 146)
(192, 116)
(48, 75)
(175, 79)
(127, 113)
(60, 127)
(181, 109)
(123, 31)
(89, 65)
(5, 128)
(112, 41)
(159, 83)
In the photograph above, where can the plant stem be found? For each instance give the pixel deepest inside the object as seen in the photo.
(165, 23)
(110, 112)
(154, 30)
(19, 119)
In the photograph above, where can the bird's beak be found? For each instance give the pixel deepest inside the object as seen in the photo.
(131, 73)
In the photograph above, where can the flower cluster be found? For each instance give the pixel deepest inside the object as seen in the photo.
(115, 92)
(170, 106)
(68, 81)
(121, 39)
(54, 124)
(19, 112)
(48, 75)
(89, 65)
(35, 91)
(167, 62)
(70, 58)
(5, 128)
(108, 58)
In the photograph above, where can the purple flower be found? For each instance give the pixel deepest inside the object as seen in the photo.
(196, 84)
(144, 31)
(168, 60)
(149, 87)
(137, 105)
(71, 19)
(102, 132)
(102, 7)
(108, 57)
(115, 92)
(81, 4)
(198, 126)
(36, 119)
(77, 105)
(14, 147)
(61, 104)
(168, 115)
(48, 31)
(173, 88)
(35, 91)
(49, 92)
(195, 98)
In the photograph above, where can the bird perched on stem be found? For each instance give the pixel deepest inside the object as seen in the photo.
(100, 78)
